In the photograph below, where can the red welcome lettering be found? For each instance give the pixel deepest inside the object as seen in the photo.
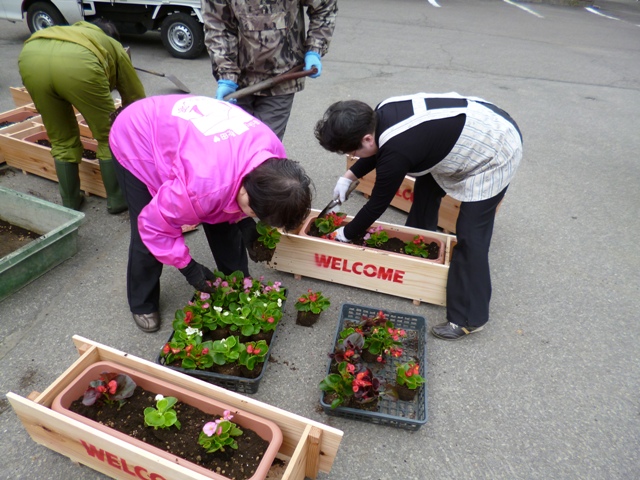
(323, 260)
(93, 451)
(113, 460)
(119, 463)
(385, 273)
(358, 268)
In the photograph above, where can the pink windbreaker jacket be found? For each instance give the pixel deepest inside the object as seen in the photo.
(192, 153)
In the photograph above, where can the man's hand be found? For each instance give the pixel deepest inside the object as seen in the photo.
(249, 235)
(340, 236)
(340, 190)
(225, 87)
(312, 59)
(197, 276)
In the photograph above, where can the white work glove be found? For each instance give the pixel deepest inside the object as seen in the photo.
(340, 190)
(340, 235)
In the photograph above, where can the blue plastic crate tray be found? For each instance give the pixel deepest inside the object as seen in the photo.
(395, 413)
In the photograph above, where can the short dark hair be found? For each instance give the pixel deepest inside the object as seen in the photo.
(108, 27)
(344, 125)
(279, 192)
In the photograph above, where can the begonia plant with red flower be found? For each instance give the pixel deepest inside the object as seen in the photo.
(109, 388)
(329, 223)
(408, 375)
(313, 302)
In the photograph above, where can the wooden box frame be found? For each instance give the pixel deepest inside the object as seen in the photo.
(308, 447)
(376, 270)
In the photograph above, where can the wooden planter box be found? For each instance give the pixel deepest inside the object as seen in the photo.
(403, 199)
(307, 448)
(20, 151)
(395, 274)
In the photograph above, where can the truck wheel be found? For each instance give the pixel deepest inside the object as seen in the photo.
(182, 35)
(43, 15)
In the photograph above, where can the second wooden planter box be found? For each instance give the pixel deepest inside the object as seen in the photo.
(20, 150)
(401, 275)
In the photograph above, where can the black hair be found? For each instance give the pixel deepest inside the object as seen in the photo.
(279, 192)
(108, 27)
(344, 125)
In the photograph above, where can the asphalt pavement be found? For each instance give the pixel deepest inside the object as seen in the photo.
(551, 388)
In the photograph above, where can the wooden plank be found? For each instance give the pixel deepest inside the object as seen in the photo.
(20, 96)
(363, 267)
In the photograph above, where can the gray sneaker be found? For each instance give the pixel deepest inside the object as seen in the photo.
(451, 331)
(147, 322)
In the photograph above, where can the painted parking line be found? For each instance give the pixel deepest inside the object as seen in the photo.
(594, 10)
(526, 9)
(434, 3)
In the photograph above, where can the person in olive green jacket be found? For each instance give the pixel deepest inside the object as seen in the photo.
(78, 66)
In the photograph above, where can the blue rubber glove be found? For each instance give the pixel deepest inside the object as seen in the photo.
(312, 59)
(225, 87)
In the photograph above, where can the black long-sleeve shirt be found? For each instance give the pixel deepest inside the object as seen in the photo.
(415, 150)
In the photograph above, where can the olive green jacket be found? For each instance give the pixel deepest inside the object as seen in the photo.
(109, 52)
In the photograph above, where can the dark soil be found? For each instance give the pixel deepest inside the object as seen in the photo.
(260, 253)
(307, 319)
(394, 245)
(235, 464)
(13, 237)
(88, 154)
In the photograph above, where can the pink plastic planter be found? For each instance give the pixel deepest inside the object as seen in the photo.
(266, 429)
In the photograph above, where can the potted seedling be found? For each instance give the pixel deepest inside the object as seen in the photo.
(309, 306)
(408, 380)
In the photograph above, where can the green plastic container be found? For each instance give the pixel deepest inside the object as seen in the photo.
(59, 229)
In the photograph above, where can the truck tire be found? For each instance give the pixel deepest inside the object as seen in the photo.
(182, 35)
(43, 15)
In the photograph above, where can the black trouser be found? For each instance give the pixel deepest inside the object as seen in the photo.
(144, 270)
(273, 111)
(469, 279)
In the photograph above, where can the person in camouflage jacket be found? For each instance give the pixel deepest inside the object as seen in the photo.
(253, 40)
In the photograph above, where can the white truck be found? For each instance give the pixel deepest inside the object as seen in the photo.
(179, 22)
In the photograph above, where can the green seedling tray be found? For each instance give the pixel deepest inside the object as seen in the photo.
(58, 227)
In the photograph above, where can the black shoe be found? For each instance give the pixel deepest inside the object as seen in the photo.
(147, 322)
(451, 331)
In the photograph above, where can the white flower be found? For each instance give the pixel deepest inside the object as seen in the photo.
(192, 331)
(264, 304)
(279, 302)
(225, 314)
(217, 309)
(159, 397)
(256, 294)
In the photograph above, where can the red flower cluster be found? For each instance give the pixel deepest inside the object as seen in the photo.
(253, 350)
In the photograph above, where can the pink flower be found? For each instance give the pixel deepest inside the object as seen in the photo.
(204, 296)
(209, 428)
(205, 350)
(270, 320)
(205, 305)
(256, 351)
(249, 348)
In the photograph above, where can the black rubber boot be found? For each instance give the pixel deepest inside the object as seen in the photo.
(69, 184)
(115, 199)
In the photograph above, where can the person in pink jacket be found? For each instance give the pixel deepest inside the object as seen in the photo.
(185, 160)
